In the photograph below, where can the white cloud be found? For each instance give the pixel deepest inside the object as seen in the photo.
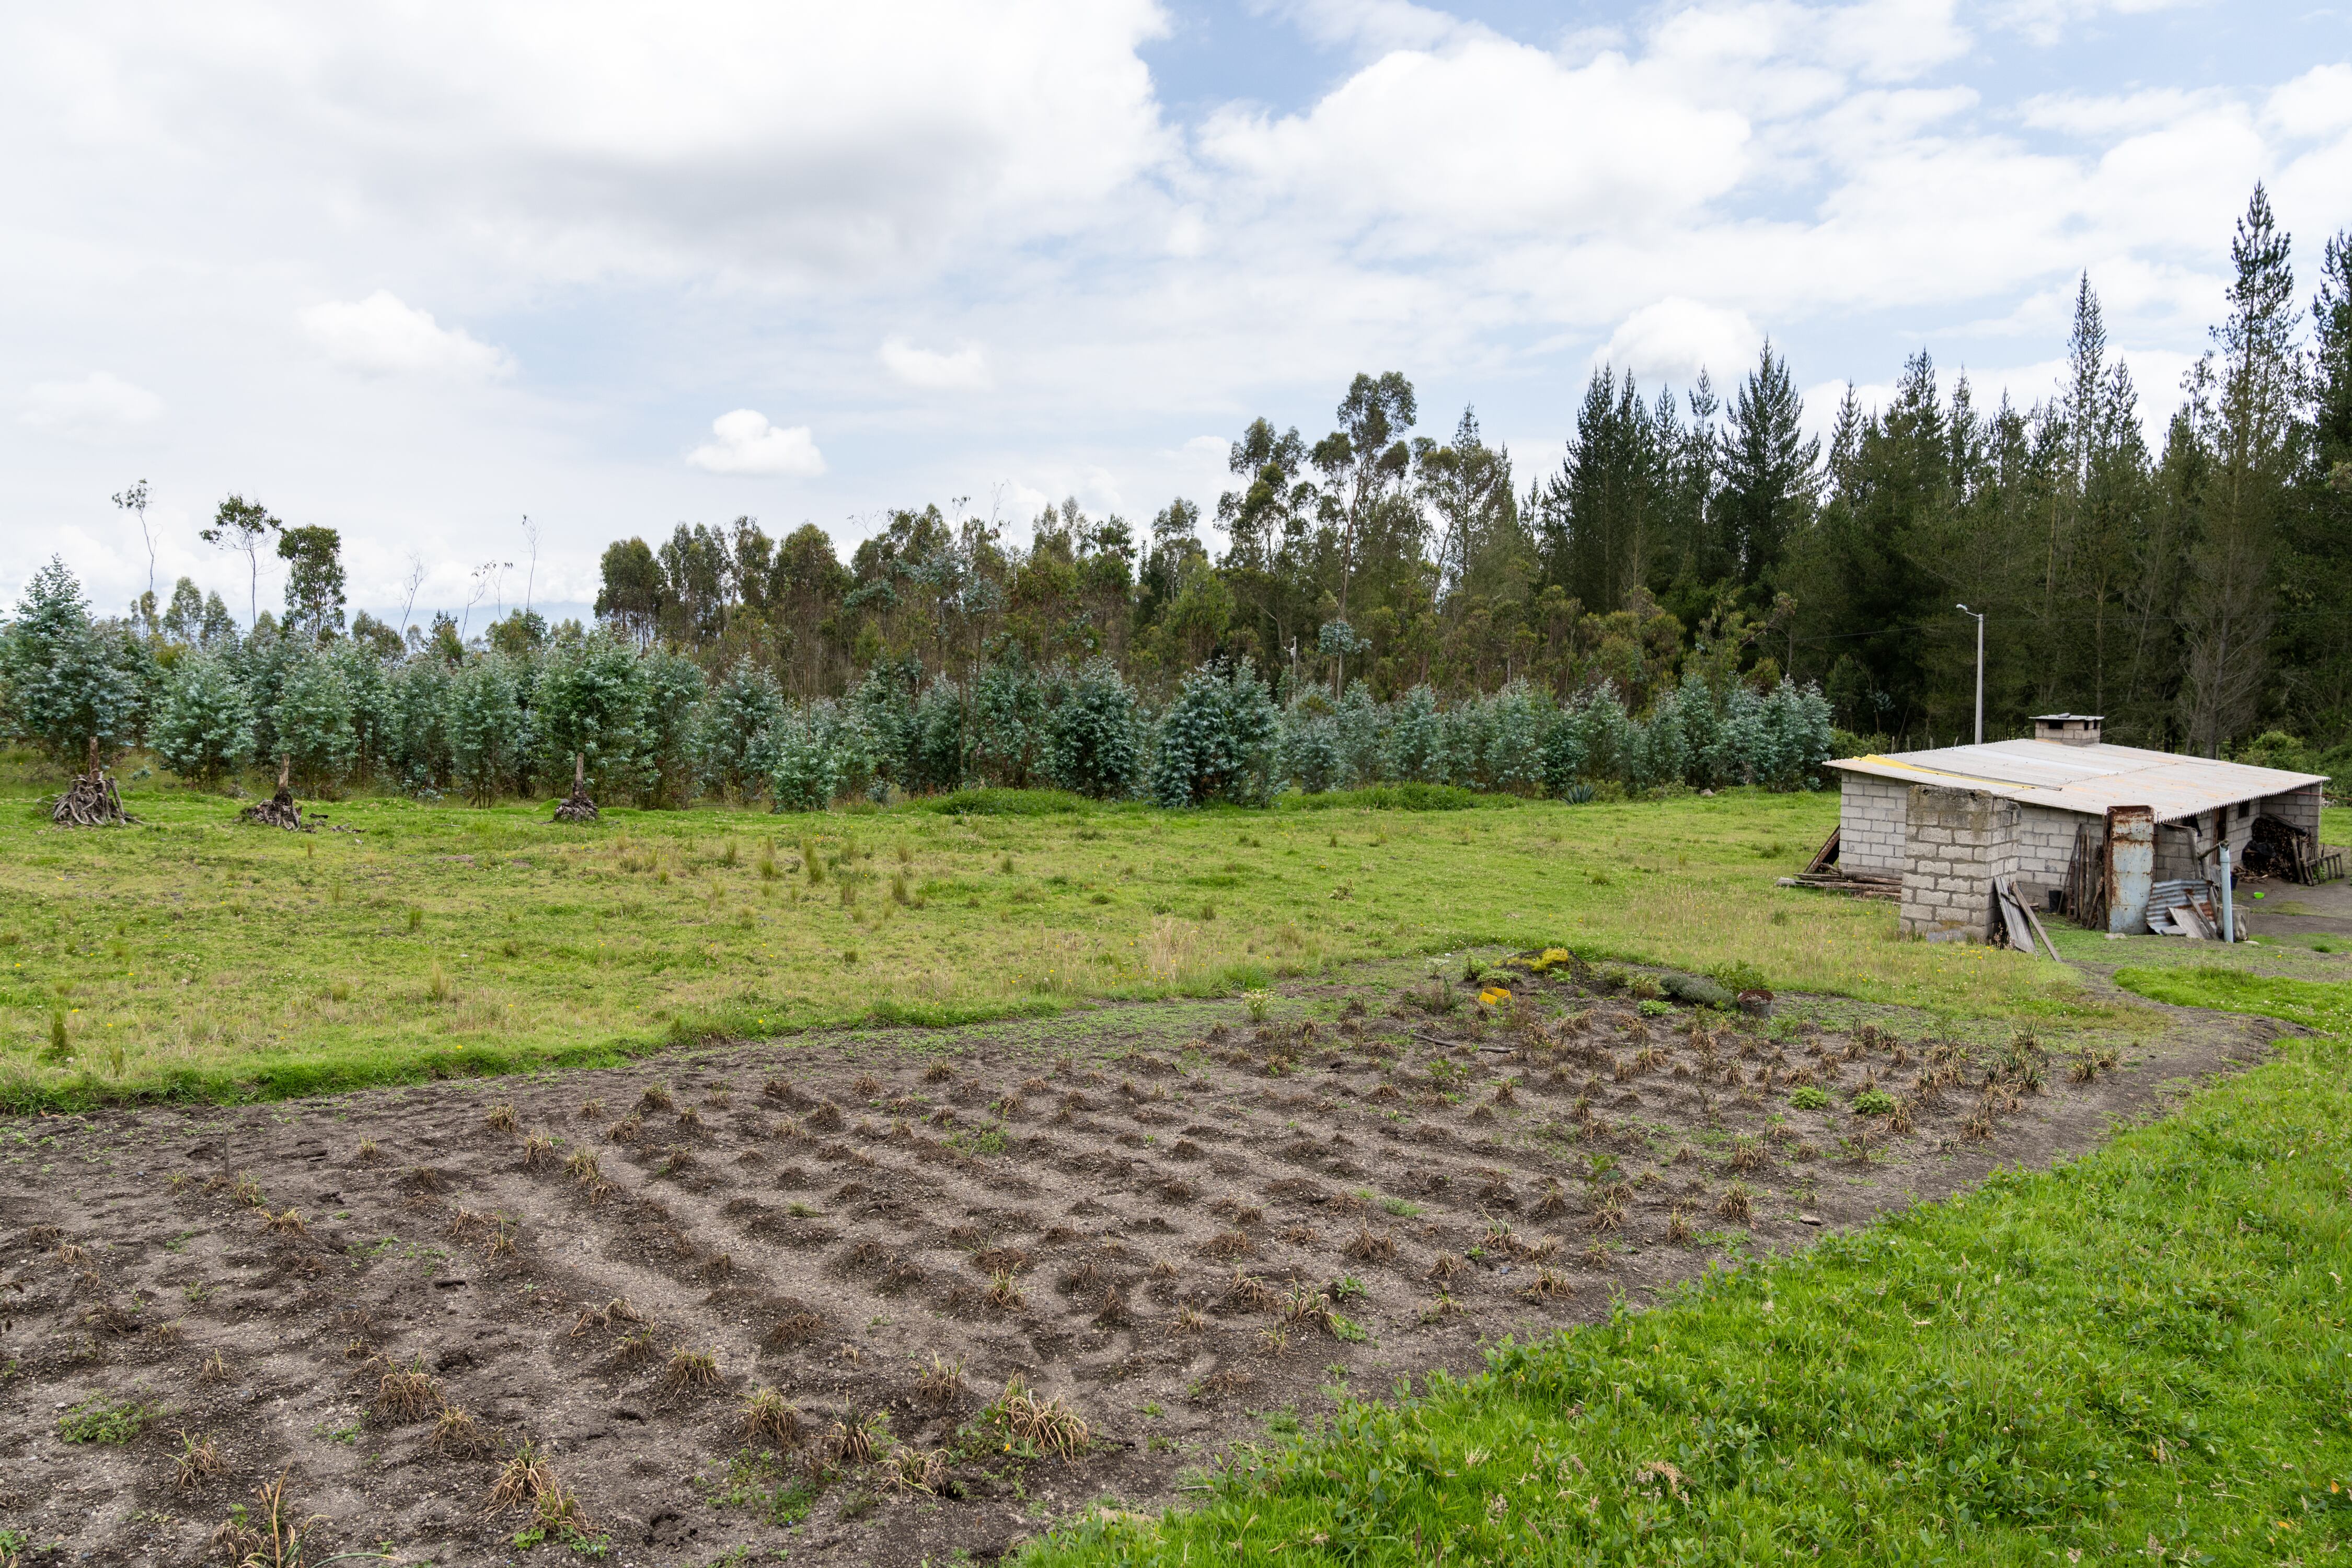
(578, 143)
(2110, 114)
(746, 444)
(98, 407)
(2046, 21)
(1892, 41)
(1374, 25)
(2315, 103)
(381, 335)
(1430, 152)
(1674, 339)
(966, 370)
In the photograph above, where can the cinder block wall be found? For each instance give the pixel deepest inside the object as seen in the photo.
(2045, 847)
(1958, 843)
(2300, 806)
(1870, 823)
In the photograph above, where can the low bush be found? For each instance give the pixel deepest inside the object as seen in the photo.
(1008, 803)
(1394, 797)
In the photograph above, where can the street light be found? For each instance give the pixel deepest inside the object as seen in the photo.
(1980, 616)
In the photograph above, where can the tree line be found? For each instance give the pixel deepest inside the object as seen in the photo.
(514, 714)
(1695, 596)
(2197, 590)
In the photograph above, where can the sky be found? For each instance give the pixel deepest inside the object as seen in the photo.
(418, 271)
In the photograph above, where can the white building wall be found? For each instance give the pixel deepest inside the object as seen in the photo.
(1871, 816)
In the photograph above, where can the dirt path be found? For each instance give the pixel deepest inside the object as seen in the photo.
(1184, 1225)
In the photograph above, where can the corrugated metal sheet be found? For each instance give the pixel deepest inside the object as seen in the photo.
(2086, 779)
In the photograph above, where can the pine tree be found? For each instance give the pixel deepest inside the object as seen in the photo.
(485, 727)
(2242, 410)
(1008, 721)
(1359, 731)
(2315, 578)
(673, 690)
(1307, 750)
(592, 701)
(1216, 741)
(1769, 477)
(203, 727)
(66, 679)
(1092, 740)
(312, 717)
(1415, 750)
(739, 722)
(1601, 513)
(805, 777)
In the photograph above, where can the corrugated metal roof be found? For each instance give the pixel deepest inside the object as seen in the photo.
(2086, 779)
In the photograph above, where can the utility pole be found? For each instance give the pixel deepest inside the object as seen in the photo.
(1965, 611)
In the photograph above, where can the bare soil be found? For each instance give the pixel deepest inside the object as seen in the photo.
(1184, 1224)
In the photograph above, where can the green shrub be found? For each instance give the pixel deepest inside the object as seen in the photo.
(803, 775)
(1872, 1102)
(1094, 742)
(1697, 990)
(1807, 1096)
(99, 1420)
(1394, 797)
(1216, 741)
(1739, 976)
(1007, 802)
(203, 727)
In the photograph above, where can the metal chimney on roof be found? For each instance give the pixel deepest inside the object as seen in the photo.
(2068, 729)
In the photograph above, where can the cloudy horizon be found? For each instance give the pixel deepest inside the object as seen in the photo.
(416, 273)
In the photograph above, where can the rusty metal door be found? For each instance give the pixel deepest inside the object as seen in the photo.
(2131, 866)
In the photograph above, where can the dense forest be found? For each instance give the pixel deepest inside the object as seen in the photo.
(1693, 598)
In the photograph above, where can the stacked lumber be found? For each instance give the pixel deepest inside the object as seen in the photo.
(1856, 884)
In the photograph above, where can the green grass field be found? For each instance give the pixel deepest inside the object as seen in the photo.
(194, 955)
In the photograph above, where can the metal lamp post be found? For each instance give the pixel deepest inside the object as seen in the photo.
(1965, 611)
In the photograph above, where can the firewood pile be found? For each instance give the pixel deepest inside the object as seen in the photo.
(278, 810)
(1823, 873)
(91, 800)
(2277, 847)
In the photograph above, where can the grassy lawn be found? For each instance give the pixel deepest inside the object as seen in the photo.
(194, 955)
(2144, 1353)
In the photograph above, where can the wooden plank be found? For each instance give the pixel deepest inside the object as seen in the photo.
(2035, 922)
(1826, 855)
(2012, 917)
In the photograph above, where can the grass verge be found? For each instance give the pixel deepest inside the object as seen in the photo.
(193, 956)
(2142, 1353)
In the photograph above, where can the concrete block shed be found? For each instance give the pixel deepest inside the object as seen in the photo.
(1950, 823)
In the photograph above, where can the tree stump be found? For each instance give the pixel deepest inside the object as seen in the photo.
(91, 800)
(278, 810)
(576, 807)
